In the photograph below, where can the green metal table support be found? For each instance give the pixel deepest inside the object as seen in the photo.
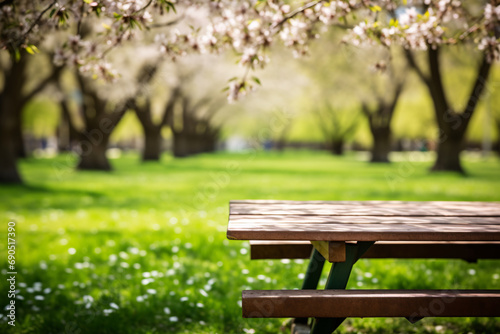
(337, 279)
(313, 274)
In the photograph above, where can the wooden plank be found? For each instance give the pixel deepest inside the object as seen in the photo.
(342, 228)
(260, 250)
(366, 208)
(332, 251)
(469, 251)
(412, 304)
(466, 251)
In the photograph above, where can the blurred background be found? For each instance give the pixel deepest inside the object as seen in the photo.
(319, 98)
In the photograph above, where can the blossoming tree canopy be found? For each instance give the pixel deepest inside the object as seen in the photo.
(249, 27)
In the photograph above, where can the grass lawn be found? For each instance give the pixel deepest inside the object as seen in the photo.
(143, 249)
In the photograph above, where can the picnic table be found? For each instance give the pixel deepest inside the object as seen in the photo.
(341, 232)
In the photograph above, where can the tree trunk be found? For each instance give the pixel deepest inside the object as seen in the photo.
(381, 144)
(99, 125)
(8, 147)
(152, 144)
(63, 134)
(497, 122)
(18, 134)
(498, 146)
(16, 78)
(11, 103)
(337, 147)
(181, 145)
(187, 144)
(210, 141)
(279, 145)
(93, 155)
(448, 153)
(452, 125)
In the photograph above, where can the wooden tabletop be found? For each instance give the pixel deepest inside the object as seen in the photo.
(364, 221)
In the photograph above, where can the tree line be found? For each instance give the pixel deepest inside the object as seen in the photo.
(249, 29)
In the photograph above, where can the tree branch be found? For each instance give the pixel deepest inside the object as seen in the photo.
(322, 124)
(79, 24)
(146, 75)
(166, 24)
(120, 111)
(204, 100)
(38, 19)
(143, 8)
(186, 113)
(412, 62)
(74, 133)
(342, 26)
(365, 109)
(54, 76)
(350, 127)
(435, 85)
(334, 117)
(295, 12)
(81, 83)
(476, 92)
(143, 113)
(213, 108)
(89, 94)
(395, 98)
(167, 118)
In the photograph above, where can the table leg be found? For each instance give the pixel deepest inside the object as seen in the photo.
(337, 279)
(313, 274)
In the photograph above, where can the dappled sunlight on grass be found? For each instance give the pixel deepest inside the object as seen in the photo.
(143, 249)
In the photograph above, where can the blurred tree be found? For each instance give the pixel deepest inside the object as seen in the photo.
(191, 122)
(281, 129)
(13, 98)
(68, 135)
(371, 74)
(99, 117)
(152, 130)
(192, 126)
(452, 123)
(497, 122)
(379, 119)
(336, 126)
(99, 121)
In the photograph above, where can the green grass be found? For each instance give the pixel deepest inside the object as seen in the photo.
(150, 238)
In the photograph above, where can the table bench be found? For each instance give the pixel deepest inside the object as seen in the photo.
(342, 232)
(468, 251)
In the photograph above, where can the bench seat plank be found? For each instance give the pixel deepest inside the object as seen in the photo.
(412, 304)
(470, 251)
